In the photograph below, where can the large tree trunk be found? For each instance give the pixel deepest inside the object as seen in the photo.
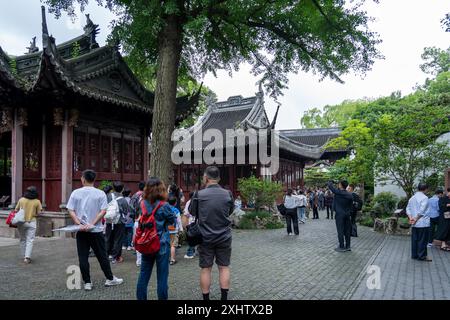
(169, 53)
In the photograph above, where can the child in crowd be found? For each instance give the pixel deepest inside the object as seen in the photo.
(129, 223)
(190, 253)
(174, 230)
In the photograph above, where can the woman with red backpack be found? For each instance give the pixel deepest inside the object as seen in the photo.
(152, 238)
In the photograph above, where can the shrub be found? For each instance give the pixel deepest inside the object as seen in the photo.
(104, 183)
(367, 220)
(259, 192)
(384, 204)
(402, 203)
(266, 221)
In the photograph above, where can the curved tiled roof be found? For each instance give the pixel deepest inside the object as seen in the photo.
(82, 67)
(245, 113)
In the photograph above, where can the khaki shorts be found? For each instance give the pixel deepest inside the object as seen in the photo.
(174, 239)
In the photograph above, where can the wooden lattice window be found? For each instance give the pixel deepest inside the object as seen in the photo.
(53, 152)
(128, 156)
(106, 154)
(79, 149)
(94, 150)
(32, 154)
(137, 157)
(116, 155)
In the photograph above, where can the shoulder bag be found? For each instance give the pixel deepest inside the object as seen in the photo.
(193, 234)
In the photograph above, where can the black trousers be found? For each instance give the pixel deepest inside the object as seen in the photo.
(419, 241)
(344, 228)
(434, 222)
(315, 212)
(354, 229)
(96, 241)
(329, 210)
(114, 239)
(292, 218)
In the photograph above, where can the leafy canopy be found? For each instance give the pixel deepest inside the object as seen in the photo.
(328, 37)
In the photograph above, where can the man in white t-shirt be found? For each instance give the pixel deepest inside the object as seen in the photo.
(87, 206)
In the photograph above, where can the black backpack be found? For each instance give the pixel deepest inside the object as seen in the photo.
(357, 203)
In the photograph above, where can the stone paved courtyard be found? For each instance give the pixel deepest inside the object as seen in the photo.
(266, 264)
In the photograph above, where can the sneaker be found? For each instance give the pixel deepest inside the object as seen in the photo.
(124, 248)
(27, 260)
(110, 257)
(289, 234)
(339, 249)
(114, 282)
(88, 286)
(348, 249)
(172, 262)
(138, 265)
(129, 248)
(429, 245)
(188, 256)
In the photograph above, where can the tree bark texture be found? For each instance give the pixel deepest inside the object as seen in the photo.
(163, 123)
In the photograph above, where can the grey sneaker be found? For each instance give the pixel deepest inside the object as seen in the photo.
(88, 286)
(114, 282)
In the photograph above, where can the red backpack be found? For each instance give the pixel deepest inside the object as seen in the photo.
(146, 240)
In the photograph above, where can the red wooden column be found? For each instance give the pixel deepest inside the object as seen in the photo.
(146, 156)
(66, 158)
(44, 161)
(17, 160)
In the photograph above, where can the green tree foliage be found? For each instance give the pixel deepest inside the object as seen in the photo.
(406, 146)
(384, 204)
(436, 60)
(260, 192)
(395, 136)
(356, 168)
(331, 116)
(328, 37)
(315, 177)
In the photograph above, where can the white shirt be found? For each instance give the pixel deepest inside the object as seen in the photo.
(301, 200)
(289, 202)
(417, 205)
(87, 202)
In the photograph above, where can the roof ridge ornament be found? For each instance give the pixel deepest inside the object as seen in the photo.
(91, 30)
(45, 36)
(32, 48)
(260, 93)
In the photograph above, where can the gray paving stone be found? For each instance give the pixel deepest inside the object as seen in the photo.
(266, 264)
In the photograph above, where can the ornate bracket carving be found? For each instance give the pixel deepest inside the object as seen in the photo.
(58, 116)
(73, 117)
(22, 117)
(6, 123)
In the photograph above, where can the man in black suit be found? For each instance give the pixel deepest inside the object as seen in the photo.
(343, 203)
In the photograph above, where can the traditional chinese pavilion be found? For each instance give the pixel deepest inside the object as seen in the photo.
(245, 113)
(70, 107)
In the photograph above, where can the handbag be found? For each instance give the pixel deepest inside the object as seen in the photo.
(19, 217)
(193, 234)
(10, 218)
(282, 209)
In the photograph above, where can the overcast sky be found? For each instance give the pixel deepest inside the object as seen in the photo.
(405, 26)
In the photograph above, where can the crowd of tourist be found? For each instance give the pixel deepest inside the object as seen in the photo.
(150, 222)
